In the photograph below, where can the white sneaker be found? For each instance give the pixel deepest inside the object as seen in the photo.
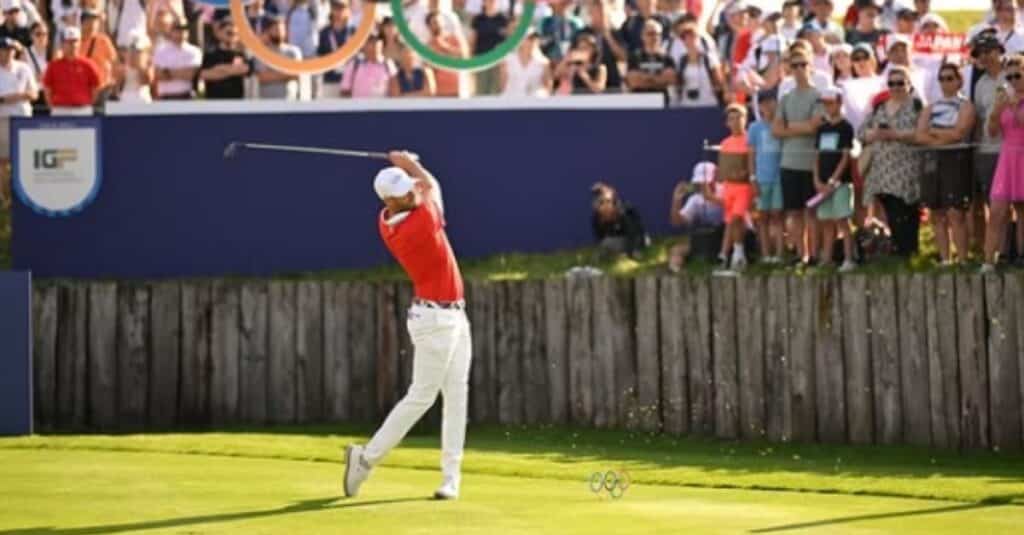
(356, 470)
(449, 489)
(986, 269)
(848, 266)
(739, 263)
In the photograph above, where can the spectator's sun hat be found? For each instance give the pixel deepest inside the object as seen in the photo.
(831, 93)
(10, 5)
(844, 48)
(906, 13)
(71, 33)
(703, 173)
(897, 39)
(393, 182)
(865, 48)
(934, 18)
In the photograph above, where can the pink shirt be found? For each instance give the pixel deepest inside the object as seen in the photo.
(370, 78)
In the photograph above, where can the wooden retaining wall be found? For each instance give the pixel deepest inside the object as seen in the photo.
(918, 359)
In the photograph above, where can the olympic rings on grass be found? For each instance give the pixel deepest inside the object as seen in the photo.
(612, 481)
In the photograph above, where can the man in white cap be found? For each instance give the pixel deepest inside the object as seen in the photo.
(898, 51)
(12, 27)
(412, 227)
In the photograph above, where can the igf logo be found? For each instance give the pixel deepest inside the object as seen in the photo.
(53, 158)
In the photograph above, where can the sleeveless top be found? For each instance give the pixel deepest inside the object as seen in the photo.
(410, 85)
(524, 80)
(134, 90)
(946, 111)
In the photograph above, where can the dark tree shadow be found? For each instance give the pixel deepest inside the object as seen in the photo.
(879, 516)
(305, 506)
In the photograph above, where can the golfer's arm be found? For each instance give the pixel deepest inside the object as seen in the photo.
(426, 180)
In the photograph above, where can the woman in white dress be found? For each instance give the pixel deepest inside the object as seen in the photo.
(527, 73)
(137, 76)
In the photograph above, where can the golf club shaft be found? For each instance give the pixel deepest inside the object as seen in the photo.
(318, 150)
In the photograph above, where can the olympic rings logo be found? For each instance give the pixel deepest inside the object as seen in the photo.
(615, 483)
(352, 46)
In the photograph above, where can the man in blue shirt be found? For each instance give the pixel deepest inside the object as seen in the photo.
(766, 152)
(558, 30)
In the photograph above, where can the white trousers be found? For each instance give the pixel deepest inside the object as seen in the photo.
(441, 362)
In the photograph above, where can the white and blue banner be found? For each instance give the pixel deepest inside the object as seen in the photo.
(56, 164)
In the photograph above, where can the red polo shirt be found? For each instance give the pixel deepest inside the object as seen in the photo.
(71, 81)
(421, 246)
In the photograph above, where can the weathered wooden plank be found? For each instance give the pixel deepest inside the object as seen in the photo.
(253, 352)
(859, 388)
(648, 354)
(556, 344)
(723, 344)
(224, 349)
(309, 352)
(194, 395)
(750, 300)
(913, 335)
(1002, 301)
(829, 368)
(885, 360)
(281, 402)
(534, 370)
(778, 403)
(72, 304)
(800, 351)
(510, 352)
(673, 372)
(132, 356)
(697, 319)
(387, 362)
(362, 339)
(482, 390)
(606, 391)
(970, 304)
(406, 351)
(103, 356)
(165, 353)
(623, 337)
(581, 360)
(944, 387)
(44, 356)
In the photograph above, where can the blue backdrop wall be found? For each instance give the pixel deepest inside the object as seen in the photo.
(170, 205)
(15, 353)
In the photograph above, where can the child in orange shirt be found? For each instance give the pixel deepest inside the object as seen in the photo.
(737, 189)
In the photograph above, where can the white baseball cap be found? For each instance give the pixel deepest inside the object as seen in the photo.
(897, 39)
(71, 33)
(393, 182)
(703, 172)
(831, 93)
(933, 18)
(8, 5)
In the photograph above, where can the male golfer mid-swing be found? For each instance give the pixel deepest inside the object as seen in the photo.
(412, 226)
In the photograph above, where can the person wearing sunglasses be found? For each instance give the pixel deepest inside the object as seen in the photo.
(946, 187)
(893, 177)
(650, 70)
(1007, 120)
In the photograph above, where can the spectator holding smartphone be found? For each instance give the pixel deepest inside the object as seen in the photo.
(1007, 120)
(832, 176)
(696, 211)
(581, 72)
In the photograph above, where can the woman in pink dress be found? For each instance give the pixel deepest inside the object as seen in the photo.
(1007, 120)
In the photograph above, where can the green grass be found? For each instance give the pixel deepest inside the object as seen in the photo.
(516, 480)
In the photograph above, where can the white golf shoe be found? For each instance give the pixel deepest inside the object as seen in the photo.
(356, 470)
(449, 489)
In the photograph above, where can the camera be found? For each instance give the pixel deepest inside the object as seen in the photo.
(693, 94)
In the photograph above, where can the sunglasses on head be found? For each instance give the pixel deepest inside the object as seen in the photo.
(897, 83)
(1014, 77)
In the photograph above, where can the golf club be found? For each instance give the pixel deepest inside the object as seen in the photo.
(232, 149)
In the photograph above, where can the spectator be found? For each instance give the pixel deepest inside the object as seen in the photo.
(558, 30)
(744, 42)
(820, 51)
(866, 30)
(162, 26)
(1008, 31)
(946, 186)
(274, 84)
(922, 8)
(841, 63)
(257, 15)
(766, 151)
(861, 87)
(136, 78)
(417, 12)
(819, 79)
(906, 22)
(71, 81)
(412, 78)
(11, 27)
(617, 226)
(633, 28)
(368, 76)
(98, 47)
(650, 69)
(581, 72)
(392, 43)
(701, 82)
(527, 73)
(736, 23)
(737, 191)
(177, 63)
(832, 176)
(700, 218)
(303, 22)
(37, 57)
(225, 67)
(490, 28)
(1007, 120)
(792, 11)
(984, 78)
(898, 52)
(127, 21)
(447, 81)
(608, 42)
(832, 32)
(796, 123)
(931, 23)
(18, 89)
(893, 177)
(890, 12)
(863, 61)
(335, 34)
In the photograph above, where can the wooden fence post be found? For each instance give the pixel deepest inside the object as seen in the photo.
(483, 373)
(165, 353)
(885, 359)
(534, 371)
(944, 386)
(970, 304)
(103, 365)
(829, 363)
(44, 356)
(510, 352)
(253, 352)
(224, 353)
(1002, 301)
(674, 370)
(778, 401)
(859, 390)
(132, 356)
(72, 303)
(282, 378)
(556, 329)
(581, 361)
(362, 331)
(194, 397)
(648, 354)
(800, 353)
(724, 334)
(914, 360)
(697, 319)
(750, 300)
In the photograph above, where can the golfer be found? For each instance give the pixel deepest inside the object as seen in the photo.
(412, 226)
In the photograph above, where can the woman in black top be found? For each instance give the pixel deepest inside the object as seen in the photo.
(581, 71)
(617, 226)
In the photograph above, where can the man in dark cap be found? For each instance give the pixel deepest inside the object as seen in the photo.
(983, 80)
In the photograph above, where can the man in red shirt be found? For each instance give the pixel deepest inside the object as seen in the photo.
(412, 226)
(71, 81)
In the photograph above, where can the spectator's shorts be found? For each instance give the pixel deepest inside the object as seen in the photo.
(839, 205)
(984, 170)
(736, 199)
(769, 196)
(700, 213)
(5, 138)
(797, 189)
(946, 179)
